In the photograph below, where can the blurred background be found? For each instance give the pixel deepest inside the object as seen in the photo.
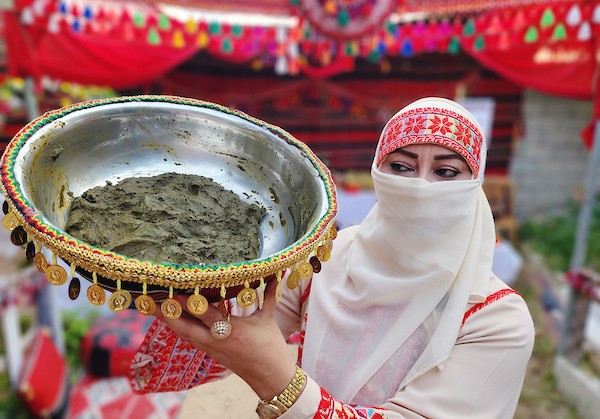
(330, 72)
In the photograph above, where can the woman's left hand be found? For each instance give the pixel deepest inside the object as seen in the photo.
(255, 350)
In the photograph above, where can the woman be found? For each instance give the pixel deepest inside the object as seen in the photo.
(406, 317)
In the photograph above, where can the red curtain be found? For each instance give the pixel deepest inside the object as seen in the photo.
(86, 58)
(564, 70)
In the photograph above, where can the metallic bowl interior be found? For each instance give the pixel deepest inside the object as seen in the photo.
(88, 147)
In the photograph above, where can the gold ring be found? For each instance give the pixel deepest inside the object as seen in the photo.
(221, 329)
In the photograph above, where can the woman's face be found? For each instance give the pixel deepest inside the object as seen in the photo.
(431, 162)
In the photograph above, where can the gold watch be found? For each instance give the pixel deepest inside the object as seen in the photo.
(280, 404)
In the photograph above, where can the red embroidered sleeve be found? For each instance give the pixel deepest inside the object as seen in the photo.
(330, 408)
(164, 362)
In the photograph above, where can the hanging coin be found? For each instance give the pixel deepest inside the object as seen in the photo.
(171, 308)
(305, 270)
(30, 251)
(56, 275)
(333, 233)
(321, 251)
(10, 221)
(145, 305)
(5, 207)
(246, 297)
(119, 300)
(316, 264)
(74, 288)
(96, 295)
(18, 236)
(278, 291)
(197, 304)
(328, 243)
(293, 279)
(40, 261)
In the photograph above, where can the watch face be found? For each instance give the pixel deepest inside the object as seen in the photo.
(267, 411)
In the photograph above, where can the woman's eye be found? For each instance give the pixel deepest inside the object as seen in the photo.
(447, 173)
(400, 168)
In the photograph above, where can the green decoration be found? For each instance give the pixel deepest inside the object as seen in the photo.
(306, 34)
(373, 56)
(139, 20)
(214, 28)
(164, 23)
(343, 17)
(469, 28)
(531, 35)
(454, 46)
(547, 18)
(559, 33)
(479, 43)
(153, 37)
(237, 30)
(226, 46)
(348, 50)
(294, 2)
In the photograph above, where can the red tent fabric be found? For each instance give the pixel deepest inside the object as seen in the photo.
(86, 58)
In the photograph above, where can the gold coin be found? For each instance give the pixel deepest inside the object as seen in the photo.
(171, 308)
(327, 255)
(328, 243)
(56, 275)
(145, 305)
(320, 253)
(96, 295)
(40, 261)
(246, 297)
(333, 233)
(197, 304)
(278, 292)
(10, 221)
(119, 300)
(293, 279)
(305, 270)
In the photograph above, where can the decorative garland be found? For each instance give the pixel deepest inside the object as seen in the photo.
(367, 31)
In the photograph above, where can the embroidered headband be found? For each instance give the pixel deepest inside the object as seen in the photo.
(433, 121)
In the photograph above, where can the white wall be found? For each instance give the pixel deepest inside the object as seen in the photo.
(549, 162)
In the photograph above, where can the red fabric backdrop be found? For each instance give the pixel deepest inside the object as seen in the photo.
(86, 58)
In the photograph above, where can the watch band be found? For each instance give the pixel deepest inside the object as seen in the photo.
(280, 404)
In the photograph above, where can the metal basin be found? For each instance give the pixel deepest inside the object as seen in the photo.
(66, 152)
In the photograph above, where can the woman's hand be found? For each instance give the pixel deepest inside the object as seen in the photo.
(255, 350)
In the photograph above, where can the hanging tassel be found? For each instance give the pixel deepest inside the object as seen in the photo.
(574, 16)
(559, 33)
(547, 19)
(585, 32)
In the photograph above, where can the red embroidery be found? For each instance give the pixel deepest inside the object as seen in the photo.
(166, 363)
(490, 299)
(330, 408)
(443, 126)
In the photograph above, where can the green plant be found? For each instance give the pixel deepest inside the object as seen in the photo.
(554, 236)
(75, 326)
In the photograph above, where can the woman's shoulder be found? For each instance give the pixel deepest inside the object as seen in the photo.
(504, 312)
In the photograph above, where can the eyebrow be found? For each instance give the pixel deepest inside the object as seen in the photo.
(453, 156)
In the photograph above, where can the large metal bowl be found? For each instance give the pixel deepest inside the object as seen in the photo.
(68, 151)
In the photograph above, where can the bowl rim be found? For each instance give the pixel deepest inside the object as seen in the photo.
(122, 268)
